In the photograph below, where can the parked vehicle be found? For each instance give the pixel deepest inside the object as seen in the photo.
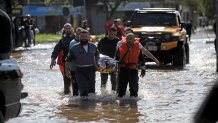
(10, 74)
(10, 89)
(162, 32)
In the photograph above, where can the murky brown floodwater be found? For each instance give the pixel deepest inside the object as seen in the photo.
(166, 95)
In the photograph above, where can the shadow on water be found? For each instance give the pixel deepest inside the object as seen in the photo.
(102, 110)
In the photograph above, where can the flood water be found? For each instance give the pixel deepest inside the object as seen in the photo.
(166, 94)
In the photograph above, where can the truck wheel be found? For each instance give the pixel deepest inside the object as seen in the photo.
(179, 57)
(187, 53)
(1, 117)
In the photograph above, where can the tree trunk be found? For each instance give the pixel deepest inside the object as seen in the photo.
(107, 13)
(109, 9)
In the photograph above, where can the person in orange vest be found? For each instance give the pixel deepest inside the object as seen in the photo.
(128, 57)
(141, 56)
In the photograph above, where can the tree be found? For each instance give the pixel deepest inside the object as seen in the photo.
(209, 7)
(193, 4)
(11, 3)
(111, 6)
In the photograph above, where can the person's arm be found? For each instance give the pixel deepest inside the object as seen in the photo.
(67, 63)
(97, 57)
(148, 54)
(67, 69)
(99, 46)
(117, 49)
(54, 54)
(141, 59)
(57, 49)
(70, 57)
(142, 64)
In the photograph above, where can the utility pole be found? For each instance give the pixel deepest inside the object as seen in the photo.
(216, 36)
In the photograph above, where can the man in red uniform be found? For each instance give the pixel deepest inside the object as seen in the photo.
(120, 29)
(107, 26)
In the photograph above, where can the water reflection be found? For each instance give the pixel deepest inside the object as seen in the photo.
(103, 110)
(83, 111)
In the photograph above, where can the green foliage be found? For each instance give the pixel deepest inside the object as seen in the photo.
(194, 4)
(112, 6)
(41, 38)
(209, 7)
(45, 38)
(57, 1)
(204, 7)
(100, 36)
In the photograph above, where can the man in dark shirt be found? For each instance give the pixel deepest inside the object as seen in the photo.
(107, 46)
(84, 55)
(63, 45)
(189, 29)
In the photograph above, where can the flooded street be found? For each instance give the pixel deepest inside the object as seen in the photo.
(166, 94)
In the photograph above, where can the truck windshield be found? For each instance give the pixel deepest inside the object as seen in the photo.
(154, 19)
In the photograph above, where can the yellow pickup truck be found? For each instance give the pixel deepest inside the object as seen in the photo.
(162, 32)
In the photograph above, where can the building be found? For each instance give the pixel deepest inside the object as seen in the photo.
(50, 18)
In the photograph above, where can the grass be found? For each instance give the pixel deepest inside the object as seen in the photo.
(42, 38)
(99, 37)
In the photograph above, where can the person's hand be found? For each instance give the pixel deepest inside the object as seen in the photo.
(143, 71)
(68, 75)
(96, 67)
(157, 63)
(53, 62)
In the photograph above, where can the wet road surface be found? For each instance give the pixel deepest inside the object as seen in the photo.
(166, 94)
